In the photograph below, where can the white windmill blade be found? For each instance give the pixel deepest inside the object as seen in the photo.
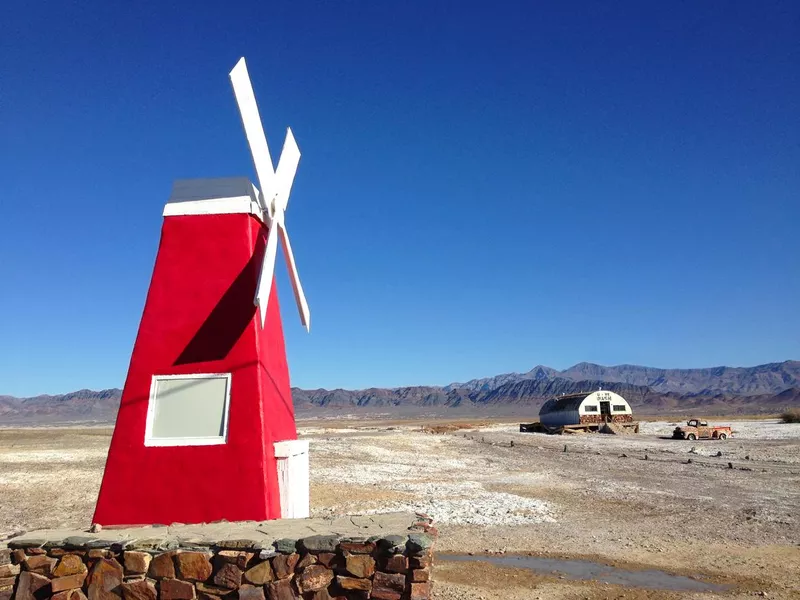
(245, 98)
(299, 296)
(287, 169)
(267, 272)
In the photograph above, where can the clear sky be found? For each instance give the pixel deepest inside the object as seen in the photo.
(484, 186)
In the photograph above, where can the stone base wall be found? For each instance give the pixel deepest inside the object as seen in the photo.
(319, 567)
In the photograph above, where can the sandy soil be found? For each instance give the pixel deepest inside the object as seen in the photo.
(600, 499)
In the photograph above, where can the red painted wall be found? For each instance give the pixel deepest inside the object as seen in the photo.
(199, 317)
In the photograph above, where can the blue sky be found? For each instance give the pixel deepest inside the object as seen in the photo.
(484, 186)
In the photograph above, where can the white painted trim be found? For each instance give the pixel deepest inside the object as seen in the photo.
(288, 448)
(213, 206)
(293, 478)
(187, 441)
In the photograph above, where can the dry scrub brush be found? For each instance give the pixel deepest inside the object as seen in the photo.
(791, 416)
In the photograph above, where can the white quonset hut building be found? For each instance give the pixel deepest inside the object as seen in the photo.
(585, 408)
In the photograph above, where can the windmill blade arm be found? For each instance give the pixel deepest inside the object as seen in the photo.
(299, 296)
(253, 129)
(287, 169)
(267, 272)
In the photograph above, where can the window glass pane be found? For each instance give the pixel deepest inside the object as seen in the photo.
(189, 408)
(591, 407)
(619, 408)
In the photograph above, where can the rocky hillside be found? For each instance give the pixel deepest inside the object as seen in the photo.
(763, 389)
(771, 378)
(79, 406)
(532, 393)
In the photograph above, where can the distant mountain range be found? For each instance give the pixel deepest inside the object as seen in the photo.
(765, 388)
(770, 378)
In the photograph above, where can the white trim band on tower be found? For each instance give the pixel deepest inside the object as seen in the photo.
(218, 196)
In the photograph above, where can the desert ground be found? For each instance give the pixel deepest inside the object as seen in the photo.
(721, 512)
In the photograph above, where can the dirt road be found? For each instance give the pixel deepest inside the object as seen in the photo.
(681, 509)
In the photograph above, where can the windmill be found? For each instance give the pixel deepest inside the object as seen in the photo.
(208, 386)
(274, 197)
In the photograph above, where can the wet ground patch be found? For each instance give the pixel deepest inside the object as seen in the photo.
(584, 570)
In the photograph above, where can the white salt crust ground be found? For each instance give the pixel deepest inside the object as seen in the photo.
(449, 489)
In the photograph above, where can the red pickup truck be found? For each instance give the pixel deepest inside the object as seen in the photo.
(696, 429)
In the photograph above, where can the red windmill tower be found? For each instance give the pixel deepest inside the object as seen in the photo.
(206, 429)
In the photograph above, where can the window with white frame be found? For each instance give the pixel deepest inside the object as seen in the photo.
(188, 410)
(590, 407)
(618, 408)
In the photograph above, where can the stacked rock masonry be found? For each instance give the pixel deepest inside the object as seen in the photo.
(319, 567)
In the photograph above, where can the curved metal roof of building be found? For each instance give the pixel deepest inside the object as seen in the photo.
(567, 402)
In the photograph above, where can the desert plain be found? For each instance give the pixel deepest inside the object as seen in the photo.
(725, 514)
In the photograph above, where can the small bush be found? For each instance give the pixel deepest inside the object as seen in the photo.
(791, 416)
